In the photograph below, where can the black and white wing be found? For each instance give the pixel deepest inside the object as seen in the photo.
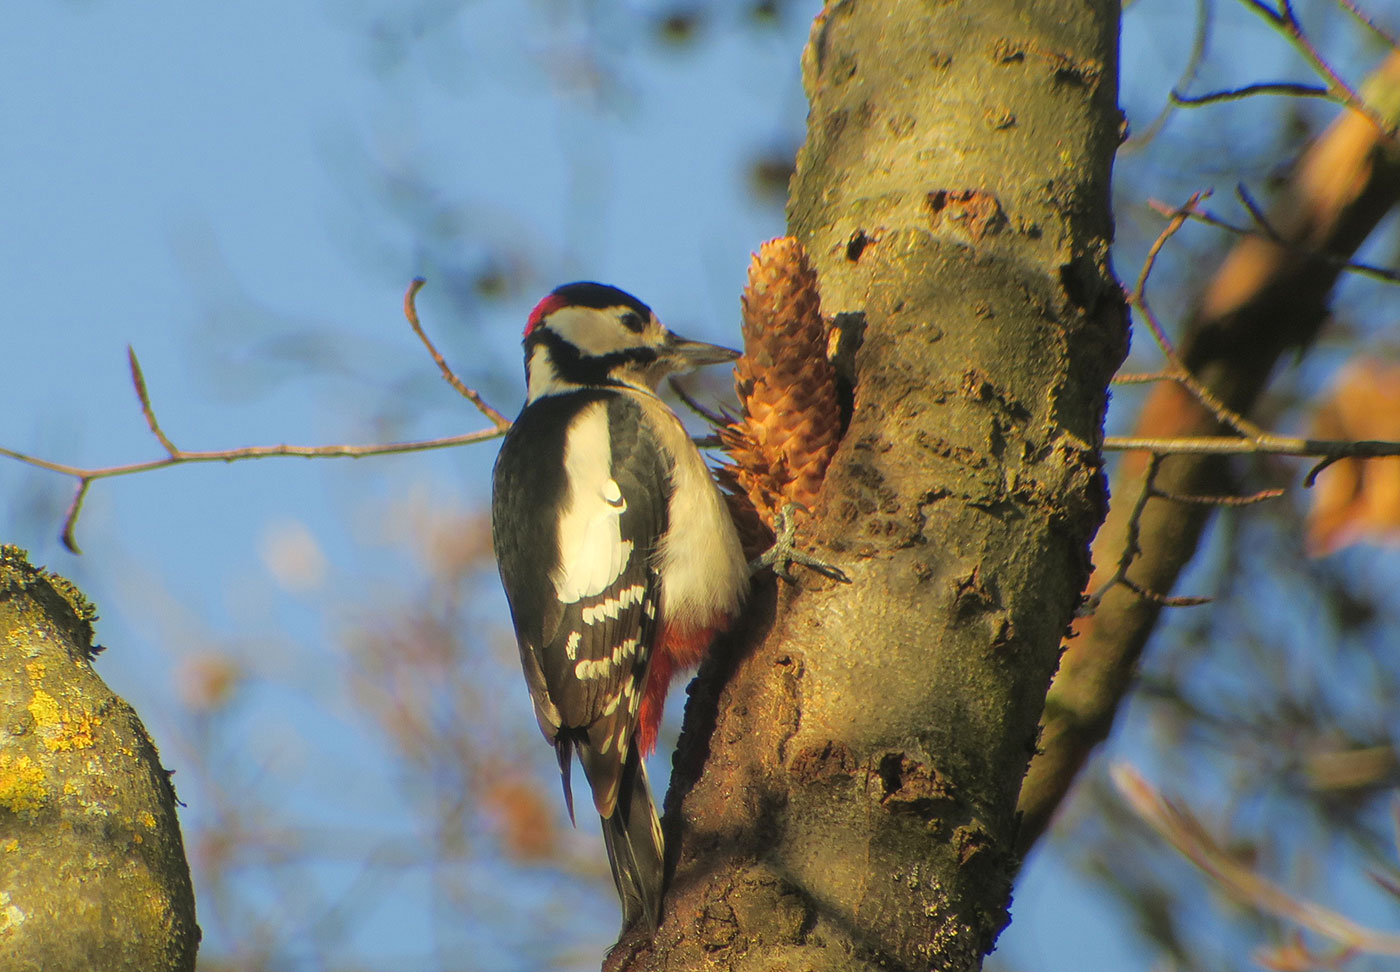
(590, 480)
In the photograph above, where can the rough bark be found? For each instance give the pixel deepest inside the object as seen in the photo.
(845, 790)
(1265, 298)
(92, 866)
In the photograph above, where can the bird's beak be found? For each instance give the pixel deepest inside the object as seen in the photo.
(687, 354)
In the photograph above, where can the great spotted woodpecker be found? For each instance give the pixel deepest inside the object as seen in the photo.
(617, 553)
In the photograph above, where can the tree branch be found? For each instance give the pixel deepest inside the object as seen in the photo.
(1383, 274)
(1290, 88)
(175, 456)
(410, 311)
(1180, 828)
(1267, 297)
(1285, 21)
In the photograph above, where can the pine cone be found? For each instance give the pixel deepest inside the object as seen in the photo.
(789, 424)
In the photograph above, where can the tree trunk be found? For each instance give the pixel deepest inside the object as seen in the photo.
(92, 867)
(845, 789)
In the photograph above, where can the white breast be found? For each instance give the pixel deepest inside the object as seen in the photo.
(703, 572)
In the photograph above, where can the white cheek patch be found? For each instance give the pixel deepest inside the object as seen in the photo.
(592, 553)
(542, 378)
(593, 331)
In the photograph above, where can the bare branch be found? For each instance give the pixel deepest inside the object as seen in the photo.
(1266, 444)
(1290, 88)
(1176, 219)
(1256, 213)
(1177, 370)
(1200, 500)
(410, 311)
(1131, 547)
(1165, 600)
(1142, 378)
(1199, 215)
(1390, 40)
(179, 457)
(70, 519)
(139, 380)
(1204, 12)
(176, 456)
(1262, 301)
(1286, 22)
(1185, 833)
(714, 418)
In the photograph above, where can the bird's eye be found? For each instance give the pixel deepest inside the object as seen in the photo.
(633, 321)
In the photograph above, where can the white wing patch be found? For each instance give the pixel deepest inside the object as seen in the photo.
(592, 552)
(602, 667)
(611, 607)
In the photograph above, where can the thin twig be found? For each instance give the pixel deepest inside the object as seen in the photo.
(1256, 213)
(1208, 218)
(1387, 38)
(1178, 370)
(139, 380)
(1176, 219)
(1201, 500)
(1131, 548)
(1286, 22)
(1184, 832)
(86, 476)
(1142, 377)
(1292, 89)
(1317, 469)
(410, 311)
(176, 456)
(1199, 40)
(70, 519)
(1165, 600)
(1266, 444)
(714, 418)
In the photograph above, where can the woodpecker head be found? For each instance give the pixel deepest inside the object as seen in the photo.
(589, 334)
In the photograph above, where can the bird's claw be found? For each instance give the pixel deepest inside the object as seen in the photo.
(784, 553)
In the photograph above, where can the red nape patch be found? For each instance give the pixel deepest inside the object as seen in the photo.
(542, 310)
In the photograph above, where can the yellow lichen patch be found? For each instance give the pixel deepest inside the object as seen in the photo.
(148, 819)
(79, 732)
(10, 916)
(21, 784)
(63, 730)
(44, 708)
(9, 846)
(36, 670)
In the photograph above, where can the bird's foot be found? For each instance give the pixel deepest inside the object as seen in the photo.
(784, 553)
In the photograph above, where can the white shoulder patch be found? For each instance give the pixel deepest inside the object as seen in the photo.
(592, 552)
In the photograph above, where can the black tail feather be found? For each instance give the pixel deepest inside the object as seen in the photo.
(635, 849)
(564, 749)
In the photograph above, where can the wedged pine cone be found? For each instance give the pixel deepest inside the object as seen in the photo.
(790, 422)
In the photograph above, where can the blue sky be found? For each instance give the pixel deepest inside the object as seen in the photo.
(242, 192)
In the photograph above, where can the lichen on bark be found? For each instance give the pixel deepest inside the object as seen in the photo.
(92, 866)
